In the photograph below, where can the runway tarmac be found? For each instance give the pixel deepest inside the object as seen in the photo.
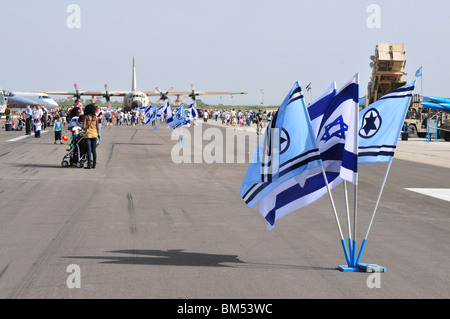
(142, 226)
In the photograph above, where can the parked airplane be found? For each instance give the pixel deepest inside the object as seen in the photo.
(22, 99)
(3, 102)
(136, 99)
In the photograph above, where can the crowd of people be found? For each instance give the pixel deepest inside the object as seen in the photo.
(91, 118)
(239, 118)
(77, 118)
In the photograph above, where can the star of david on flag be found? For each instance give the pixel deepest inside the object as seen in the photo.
(380, 125)
(371, 122)
(336, 128)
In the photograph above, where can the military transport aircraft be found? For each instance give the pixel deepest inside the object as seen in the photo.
(136, 99)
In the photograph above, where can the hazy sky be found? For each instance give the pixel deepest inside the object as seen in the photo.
(233, 45)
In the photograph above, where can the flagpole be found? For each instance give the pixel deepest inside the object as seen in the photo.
(421, 85)
(350, 244)
(363, 245)
(355, 223)
(344, 246)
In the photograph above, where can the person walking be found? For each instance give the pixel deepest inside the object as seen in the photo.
(99, 115)
(90, 125)
(259, 118)
(57, 129)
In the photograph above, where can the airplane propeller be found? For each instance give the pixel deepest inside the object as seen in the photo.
(163, 95)
(77, 92)
(107, 96)
(193, 95)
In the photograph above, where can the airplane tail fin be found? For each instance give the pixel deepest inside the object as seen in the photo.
(133, 84)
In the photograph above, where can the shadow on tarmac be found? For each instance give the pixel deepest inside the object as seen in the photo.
(178, 257)
(37, 165)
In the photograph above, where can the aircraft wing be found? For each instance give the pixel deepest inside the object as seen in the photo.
(88, 93)
(156, 93)
(216, 93)
(192, 94)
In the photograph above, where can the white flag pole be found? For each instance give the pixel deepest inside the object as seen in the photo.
(363, 245)
(354, 264)
(350, 244)
(344, 246)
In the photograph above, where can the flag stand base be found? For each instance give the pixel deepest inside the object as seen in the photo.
(362, 268)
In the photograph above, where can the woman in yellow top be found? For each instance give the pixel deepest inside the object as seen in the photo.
(90, 125)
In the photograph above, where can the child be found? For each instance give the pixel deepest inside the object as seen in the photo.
(57, 129)
(37, 128)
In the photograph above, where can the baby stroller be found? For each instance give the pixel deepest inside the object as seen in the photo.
(77, 154)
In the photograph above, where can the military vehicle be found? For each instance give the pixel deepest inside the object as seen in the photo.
(388, 65)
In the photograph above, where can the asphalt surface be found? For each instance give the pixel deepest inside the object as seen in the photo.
(142, 226)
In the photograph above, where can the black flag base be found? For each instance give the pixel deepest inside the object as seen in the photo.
(362, 268)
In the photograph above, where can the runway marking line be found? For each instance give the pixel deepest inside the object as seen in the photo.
(18, 138)
(24, 136)
(440, 193)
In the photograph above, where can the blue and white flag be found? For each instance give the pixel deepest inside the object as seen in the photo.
(165, 109)
(380, 125)
(288, 149)
(149, 114)
(419, 72)
(340, 126)
(186, 122)
(317, 109)
(336, 114)
(176, 120)
(192, 112)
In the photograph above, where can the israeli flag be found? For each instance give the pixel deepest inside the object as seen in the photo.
(335, 113)
(339, 130)
(380, 125)
(165, 109)
(186, 122)
(288, 149)
(149, 114)
(192, 112)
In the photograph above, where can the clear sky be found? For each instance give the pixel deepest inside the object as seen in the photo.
(233, 45)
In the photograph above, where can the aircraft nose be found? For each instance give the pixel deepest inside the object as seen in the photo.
(136, 104)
